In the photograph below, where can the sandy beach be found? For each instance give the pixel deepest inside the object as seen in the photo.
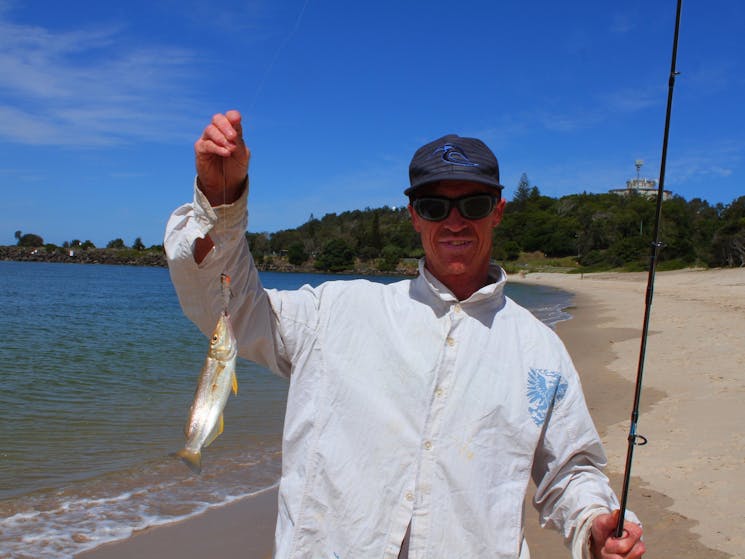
(687, 482)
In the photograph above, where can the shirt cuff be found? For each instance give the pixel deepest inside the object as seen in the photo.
(223, 217)
(581, 542)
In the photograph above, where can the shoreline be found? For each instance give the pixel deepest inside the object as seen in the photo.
(243, 528)
(690, 499)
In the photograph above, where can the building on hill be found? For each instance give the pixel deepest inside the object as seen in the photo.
(641, 186)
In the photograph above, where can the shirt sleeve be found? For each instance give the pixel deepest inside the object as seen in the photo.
(568, 468)
(198, 286)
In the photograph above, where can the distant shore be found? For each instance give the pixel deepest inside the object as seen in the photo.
(115, 256)
(157, 258)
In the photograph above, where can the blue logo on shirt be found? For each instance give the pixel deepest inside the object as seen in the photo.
(544, 388)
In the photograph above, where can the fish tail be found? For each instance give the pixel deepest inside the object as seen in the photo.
(191, 459)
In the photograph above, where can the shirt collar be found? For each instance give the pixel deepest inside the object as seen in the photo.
(493, 290)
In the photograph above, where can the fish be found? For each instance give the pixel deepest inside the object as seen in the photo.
(216, 380)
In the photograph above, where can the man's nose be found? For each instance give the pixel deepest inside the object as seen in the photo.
(454, 221)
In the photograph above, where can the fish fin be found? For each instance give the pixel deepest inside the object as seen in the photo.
(235, 384)
(216, 432)
(191, 459)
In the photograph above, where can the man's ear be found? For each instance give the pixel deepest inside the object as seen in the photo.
(498, 212)
(415, 219)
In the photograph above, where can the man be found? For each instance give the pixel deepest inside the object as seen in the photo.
(416, 411)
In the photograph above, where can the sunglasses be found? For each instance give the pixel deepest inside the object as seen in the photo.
(473, 206)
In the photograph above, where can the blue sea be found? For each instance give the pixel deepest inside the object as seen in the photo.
(98, 367)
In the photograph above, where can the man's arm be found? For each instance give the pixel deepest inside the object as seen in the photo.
(573, 495)
(206, 238)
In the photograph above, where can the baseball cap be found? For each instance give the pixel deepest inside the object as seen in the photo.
(453, 158)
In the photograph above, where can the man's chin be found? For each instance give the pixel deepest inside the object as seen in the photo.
(456, 268)
(450, 268)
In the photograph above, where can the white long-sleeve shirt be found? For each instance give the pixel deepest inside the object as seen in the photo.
(406, 407)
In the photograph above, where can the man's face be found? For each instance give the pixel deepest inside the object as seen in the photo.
(457, 250)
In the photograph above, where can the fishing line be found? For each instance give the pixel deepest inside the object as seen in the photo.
(279, 50)
(634, 439)
(224, 277)
(225, 291)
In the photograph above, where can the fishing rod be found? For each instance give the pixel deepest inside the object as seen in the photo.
(656, 245)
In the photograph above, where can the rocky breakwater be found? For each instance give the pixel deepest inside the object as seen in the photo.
(125, 256)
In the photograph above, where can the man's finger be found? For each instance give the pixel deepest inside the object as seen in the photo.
(220, 133)
(628, 545)
(207, 147)
(235, 119)
(226, 125)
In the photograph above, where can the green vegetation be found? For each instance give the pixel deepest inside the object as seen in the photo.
(28, 240)
(370, 241)
(31, 247)
(580, 232)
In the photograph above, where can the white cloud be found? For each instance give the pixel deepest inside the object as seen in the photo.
(630, 100)
(88, 87)
(622, 23)
(570, 122)
(712, 77)
(712, 163)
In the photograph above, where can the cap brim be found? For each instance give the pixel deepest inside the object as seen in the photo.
(450, 177)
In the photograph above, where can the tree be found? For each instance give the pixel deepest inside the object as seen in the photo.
(30, 240)
(336, 256)
(728, 244)
(138, 245)
(522, 194)
(116, 243)
(390, 255)
(376, 241)
(296, 254)
(705, 221)
(259, 245)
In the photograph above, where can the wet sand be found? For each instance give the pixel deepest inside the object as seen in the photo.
(687, 482)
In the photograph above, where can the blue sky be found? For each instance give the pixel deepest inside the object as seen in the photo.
(101, 102)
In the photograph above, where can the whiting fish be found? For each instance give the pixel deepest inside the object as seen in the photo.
(216, 380)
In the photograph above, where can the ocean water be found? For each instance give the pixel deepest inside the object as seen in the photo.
(98, 367)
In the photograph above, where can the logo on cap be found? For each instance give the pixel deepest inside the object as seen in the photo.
(453, 154)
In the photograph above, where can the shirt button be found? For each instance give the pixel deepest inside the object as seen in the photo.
(450, 341)
(439, 392)
(457, 307)
(409, 496)
(428, 445)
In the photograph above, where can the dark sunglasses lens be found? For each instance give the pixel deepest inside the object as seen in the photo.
(476, 207)
(432, 209)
